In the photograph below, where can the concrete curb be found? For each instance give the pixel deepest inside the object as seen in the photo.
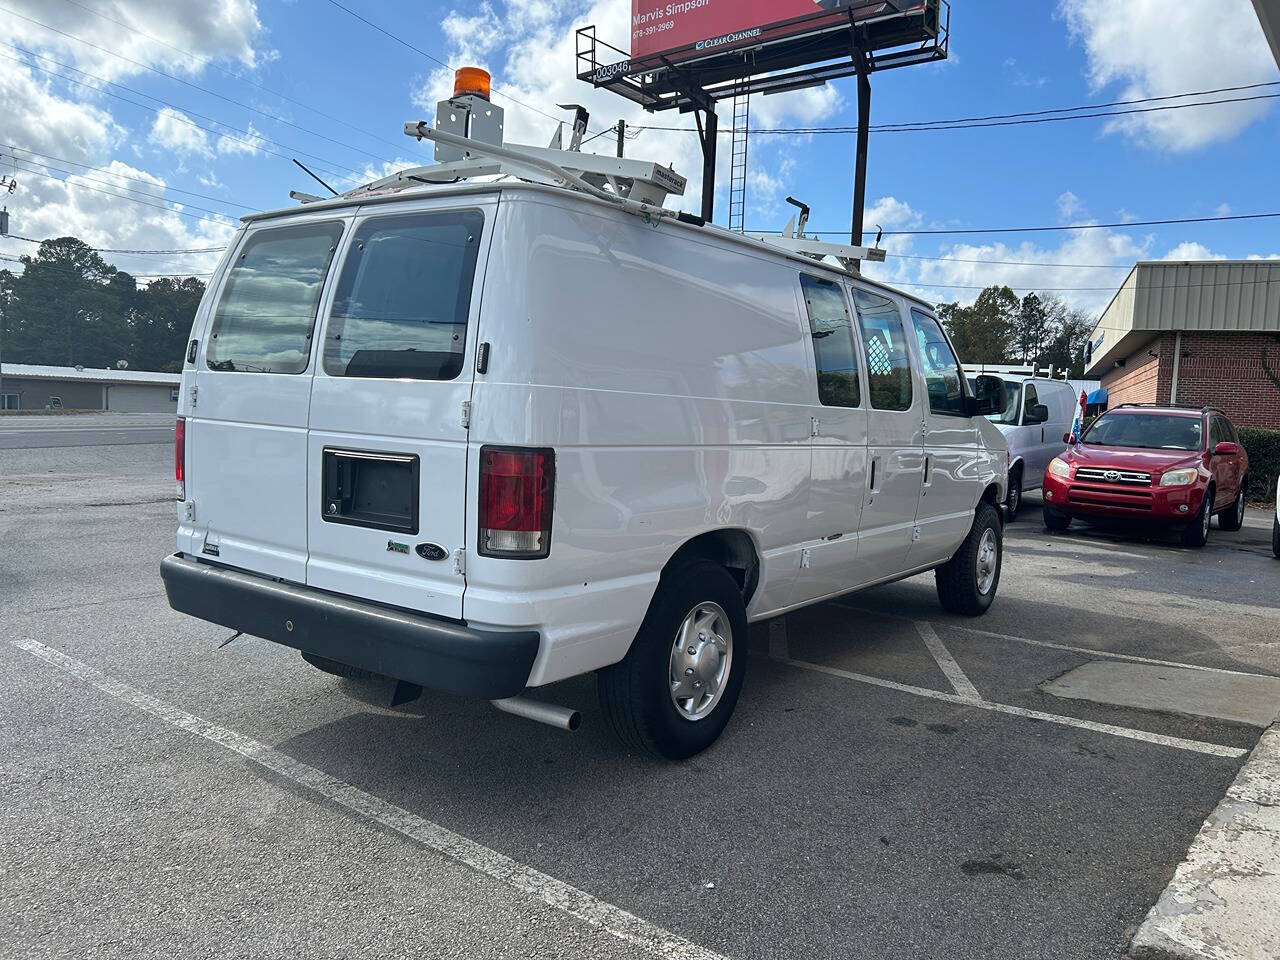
(1224, 900)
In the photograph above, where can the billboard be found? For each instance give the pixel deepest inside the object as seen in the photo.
(684, 29)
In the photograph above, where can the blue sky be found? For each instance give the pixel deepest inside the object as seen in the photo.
(1006, 57)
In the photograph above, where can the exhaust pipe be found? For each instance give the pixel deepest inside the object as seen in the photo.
(562, 718)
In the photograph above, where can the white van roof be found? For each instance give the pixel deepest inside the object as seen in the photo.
(424, 191)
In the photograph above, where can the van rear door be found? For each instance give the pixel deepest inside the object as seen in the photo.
(387, 447)
(246, 432)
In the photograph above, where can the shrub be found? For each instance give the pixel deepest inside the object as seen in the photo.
(1263, 447)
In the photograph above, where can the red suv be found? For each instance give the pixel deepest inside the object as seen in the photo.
(1172, 465)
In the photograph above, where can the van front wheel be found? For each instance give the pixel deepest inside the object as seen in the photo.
(674, 693)
(967, 582)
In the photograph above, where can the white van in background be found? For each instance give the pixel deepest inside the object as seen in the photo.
(485, 436)
(1037, 413)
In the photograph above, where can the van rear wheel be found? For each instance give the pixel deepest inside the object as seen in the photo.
(674, 693)
(967, 582)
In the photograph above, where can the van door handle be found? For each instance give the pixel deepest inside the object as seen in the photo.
(926, 471)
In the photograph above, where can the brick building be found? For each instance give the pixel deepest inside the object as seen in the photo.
(1192, 334)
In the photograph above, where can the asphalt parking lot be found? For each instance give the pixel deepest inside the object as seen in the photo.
(897, 782)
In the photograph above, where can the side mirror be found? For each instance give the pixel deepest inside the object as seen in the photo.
(1038, 414)
(1068, 439)
(990, 395)
(1226, 449)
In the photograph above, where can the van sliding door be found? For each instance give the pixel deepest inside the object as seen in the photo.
(387, 448)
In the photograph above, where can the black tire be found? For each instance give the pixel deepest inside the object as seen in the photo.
(960, 586)
(1275, 537)
(1055, 519)
(1232, 518)
(1013, 502)
(1196, 533)
(636, 694)
(339, 669)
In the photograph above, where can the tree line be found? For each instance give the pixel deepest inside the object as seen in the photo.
(998, 327)
(69, 307)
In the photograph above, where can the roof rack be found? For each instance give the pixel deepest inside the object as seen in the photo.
(1200, 408)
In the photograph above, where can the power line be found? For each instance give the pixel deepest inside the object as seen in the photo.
(1054, 115)
(14, 236)
(188, 83)
(184, 116)
(131, 194)
(1078, 226)
(1112, 289)
(136, 276)
(1014, 263)
(434, 59)
(211, 62)
(145, 203)
(110, 172)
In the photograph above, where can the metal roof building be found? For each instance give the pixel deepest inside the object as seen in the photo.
(1194, 332)
(25, 386)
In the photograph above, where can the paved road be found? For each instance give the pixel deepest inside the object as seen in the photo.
(857, 807)
(84, 430)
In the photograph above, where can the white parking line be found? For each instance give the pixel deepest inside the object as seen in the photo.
(555, 893)
(955, 676)
(1180, 743)
(1091, 651)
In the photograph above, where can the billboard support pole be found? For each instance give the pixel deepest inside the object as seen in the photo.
(860, 162)
(708, 133)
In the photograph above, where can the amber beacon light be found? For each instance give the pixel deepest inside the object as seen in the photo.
(472, 80)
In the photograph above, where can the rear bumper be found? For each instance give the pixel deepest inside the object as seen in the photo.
(435, 653)
(1160, 504)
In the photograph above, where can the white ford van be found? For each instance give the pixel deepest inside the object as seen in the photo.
(1037, 412)
(485, 436)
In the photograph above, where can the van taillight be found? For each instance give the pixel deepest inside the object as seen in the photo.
(516, 490)
(180, 457)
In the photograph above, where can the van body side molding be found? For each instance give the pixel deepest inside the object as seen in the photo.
(431, 652)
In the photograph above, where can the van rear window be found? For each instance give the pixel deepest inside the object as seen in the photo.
(268, 306)
(404, 297)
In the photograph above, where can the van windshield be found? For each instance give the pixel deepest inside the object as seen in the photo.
(404, 297)
(1151, 431)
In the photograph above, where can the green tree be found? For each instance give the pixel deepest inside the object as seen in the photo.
(69, 307)
(983, 332)
(161, 322)
(1032, 328)
(1070, 331)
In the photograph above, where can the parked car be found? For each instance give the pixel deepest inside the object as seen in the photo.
(1038, 412)
(484, 436)
(1168, 465)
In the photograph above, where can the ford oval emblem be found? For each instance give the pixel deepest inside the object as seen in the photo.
(432, 551)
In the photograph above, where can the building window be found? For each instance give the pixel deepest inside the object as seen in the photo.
(9, 401)
(173, 395)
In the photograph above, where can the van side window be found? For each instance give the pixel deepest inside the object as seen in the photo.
(404, 297)
(888, 365)
(268, 308)
(832, 330)
(942, 374)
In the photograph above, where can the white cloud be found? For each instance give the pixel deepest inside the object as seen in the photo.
(1190, 250)
(1157, 48)
(1069, 206)
(173, 130)
(238, 145)
(225, 30)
